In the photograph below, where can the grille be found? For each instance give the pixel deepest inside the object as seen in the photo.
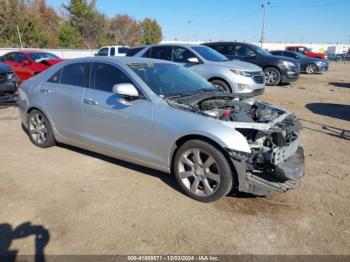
(260, 79)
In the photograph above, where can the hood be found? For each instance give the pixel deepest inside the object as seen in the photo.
(238, 65)
(4, 68)
(50, 62)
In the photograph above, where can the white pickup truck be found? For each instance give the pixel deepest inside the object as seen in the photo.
(116, 50)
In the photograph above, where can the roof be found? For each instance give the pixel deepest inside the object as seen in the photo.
(121, 59)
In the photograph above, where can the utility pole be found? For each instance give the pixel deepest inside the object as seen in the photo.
(263, 22)
(19, 36)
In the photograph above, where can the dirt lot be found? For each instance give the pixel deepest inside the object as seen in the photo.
(81, 203)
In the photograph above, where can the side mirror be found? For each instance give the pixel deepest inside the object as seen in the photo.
(193, 60)
(126, 89)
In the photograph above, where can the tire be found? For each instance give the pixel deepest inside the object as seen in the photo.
(207, 177)
(272, 75)
(39, 130)
(221, 85)
(310, 69)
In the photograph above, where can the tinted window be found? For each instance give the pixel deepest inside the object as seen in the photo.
(181, 55)
(9, 57)
(276, 53)
(209, 53)
(55, 78)
(134, 51)
(220, 48)
(76, 74)
(288, 54)
(161, 52)
(166, 79)
(148, 53)
(123, 50)
(103, 52)
(244, 51)
(105, 76)
(112, 51)
(37, 57)
(20, 57)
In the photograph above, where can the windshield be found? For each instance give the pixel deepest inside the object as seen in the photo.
(170, 80)
(260, 50)
(37, 57)
(209, 54)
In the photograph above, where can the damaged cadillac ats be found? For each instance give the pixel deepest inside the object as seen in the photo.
(163, 116)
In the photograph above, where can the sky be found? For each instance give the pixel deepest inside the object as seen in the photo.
(305, 21)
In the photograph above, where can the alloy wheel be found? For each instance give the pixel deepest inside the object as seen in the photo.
(199, 172)
(271, 77)
(38, 128)
(310, 69)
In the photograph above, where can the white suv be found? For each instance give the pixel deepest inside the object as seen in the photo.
(116, 50)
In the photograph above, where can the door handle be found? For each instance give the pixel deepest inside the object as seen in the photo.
(90, 101)
(45, 91)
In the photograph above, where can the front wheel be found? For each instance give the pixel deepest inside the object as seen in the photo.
(273, 76)
(311, 69)
(39, 130)
(221, 85)
(202, 171)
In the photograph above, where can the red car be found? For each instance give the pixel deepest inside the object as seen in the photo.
(26, 64)
(306, 51)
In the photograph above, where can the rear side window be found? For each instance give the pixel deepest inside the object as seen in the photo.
(161, 52)
(56, 77)
(76, 74)
(105, 76)
(9, 57)
(112, 51)
(220, 48)
(123, 50)
(103, 52)
(134, 51)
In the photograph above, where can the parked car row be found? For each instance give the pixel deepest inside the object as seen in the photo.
(163, 115)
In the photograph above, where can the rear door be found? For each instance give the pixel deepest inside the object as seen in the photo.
(62, 96)
(109, 122)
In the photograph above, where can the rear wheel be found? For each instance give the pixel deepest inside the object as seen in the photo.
(39, 130)
(221, 85)
(311, 69)
(272, 75)
(202, 171)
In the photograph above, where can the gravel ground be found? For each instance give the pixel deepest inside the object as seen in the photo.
(63, 200)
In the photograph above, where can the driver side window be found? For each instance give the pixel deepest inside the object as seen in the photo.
(105, 76)
(181, 54)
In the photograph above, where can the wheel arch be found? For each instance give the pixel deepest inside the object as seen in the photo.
(182, 140)
(220, 79)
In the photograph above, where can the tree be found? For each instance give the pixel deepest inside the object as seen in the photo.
(126, 30)
(151, 32)
(68, 36)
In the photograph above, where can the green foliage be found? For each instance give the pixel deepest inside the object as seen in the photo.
(68, 36)
(81, 26)
(151, 32)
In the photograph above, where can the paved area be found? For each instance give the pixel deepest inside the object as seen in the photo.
(63, 200)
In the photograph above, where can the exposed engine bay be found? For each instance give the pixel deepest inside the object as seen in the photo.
(272, 134)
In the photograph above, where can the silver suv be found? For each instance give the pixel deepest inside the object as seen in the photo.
(236, 77)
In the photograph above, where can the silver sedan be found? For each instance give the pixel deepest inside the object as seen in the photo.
(160, 115)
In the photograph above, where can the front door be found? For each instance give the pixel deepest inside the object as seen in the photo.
(111, 123)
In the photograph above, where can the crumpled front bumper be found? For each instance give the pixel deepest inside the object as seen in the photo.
(285, 176)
